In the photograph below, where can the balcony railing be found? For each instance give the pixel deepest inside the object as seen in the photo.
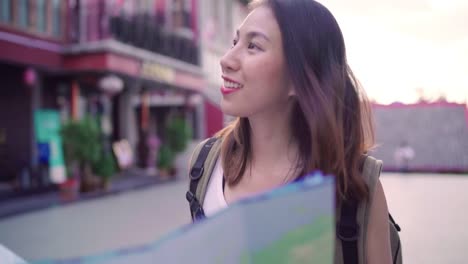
(139, 30)
(144, 32)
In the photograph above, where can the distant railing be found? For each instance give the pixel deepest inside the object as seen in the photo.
(144, 32)
(141, 30)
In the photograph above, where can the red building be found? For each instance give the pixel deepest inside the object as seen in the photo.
(135, 61)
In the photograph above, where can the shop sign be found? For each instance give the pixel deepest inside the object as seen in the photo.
(47, 126)
(157, 72)
(124, 154)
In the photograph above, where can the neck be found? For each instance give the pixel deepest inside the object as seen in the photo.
(271, 140)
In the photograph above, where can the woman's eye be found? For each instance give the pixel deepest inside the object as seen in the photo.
(253, 46)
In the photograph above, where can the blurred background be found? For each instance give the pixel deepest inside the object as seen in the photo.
(102, 102)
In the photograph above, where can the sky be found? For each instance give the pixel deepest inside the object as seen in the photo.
(399, 49)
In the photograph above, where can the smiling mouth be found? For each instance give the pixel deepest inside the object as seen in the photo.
(231, 84)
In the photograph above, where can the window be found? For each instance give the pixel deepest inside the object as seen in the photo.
(215, 11)
(181, 14)
(218, 28)
(32, 15)
(23, 10)
(227, 30)
(57, 18)
(41, 16)
(145, 6)
(160, 10)
(128, 8)
(5, 11)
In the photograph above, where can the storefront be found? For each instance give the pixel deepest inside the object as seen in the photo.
(16, 106)
(155, 89)
(69, 65)
(150, 94)
(29, 117)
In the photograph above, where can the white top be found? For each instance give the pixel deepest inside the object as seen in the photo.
(214, 197)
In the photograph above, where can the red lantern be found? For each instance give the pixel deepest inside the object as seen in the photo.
(30, 76)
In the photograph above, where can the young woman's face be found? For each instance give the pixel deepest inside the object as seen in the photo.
(254, 73)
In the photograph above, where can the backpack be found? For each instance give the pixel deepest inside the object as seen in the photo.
(347, 230)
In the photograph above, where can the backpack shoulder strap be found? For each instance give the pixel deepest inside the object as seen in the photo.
(348, 232)
(200, 172)
(371, 173)
(348, 229)
(354, 214)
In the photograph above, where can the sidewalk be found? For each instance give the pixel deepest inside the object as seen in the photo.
(124, 221)
(133, 179)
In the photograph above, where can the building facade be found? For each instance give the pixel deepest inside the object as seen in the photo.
(136, 63)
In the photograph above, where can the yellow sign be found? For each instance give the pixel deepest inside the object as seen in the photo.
(157, 72)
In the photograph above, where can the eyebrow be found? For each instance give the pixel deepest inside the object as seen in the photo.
(253, 34)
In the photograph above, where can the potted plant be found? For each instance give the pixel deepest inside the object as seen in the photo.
(69, 189)
(165, 162)
(105, 168)
(82, 148)
(178, 134)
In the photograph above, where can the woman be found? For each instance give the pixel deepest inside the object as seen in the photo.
(299, 109)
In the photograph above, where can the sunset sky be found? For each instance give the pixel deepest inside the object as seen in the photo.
(396, 47)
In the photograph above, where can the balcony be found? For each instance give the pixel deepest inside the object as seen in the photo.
(143, 31)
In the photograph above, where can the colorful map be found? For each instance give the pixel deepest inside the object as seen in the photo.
(293, 224)
(307, 244)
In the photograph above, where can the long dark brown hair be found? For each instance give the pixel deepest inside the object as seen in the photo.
(331, 119)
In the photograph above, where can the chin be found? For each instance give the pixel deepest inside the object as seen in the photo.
(231, 110)
(227, 108)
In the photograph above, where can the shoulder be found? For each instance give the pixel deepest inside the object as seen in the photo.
(371, 169)
(216, 141)
(378, 234)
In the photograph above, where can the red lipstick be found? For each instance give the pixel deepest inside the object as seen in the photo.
(226, 91)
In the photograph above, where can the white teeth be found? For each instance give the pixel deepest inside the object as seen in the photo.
(232, 85)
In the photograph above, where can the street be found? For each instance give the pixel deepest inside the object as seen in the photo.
(91, 227)
(429, 208)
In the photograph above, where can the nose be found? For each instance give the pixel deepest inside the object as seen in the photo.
(229, 62)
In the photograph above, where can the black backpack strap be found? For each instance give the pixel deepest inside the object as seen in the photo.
(348, 232)
(196, 174)
(397, 227)
(348, 228)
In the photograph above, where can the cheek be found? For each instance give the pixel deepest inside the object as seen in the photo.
(271, 76)
(267, 69)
